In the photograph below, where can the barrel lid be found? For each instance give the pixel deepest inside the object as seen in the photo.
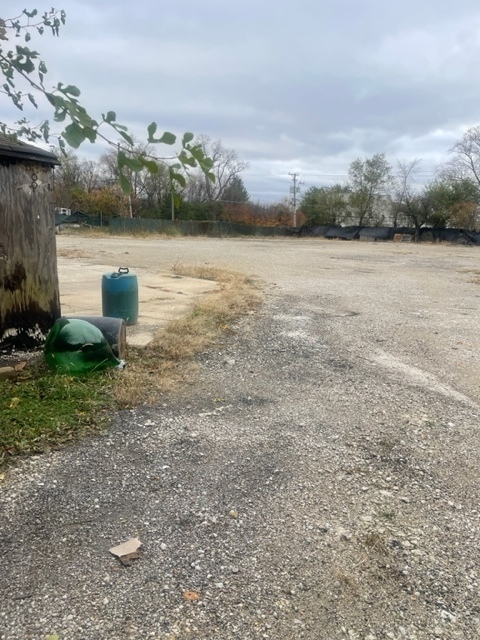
(122, 271)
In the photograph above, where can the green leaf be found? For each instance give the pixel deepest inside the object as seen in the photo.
(45, 130)
(187, 137)
(206, 164)
(74, 135)
(110, 117)
(211, 177)
(151, 131)
(167, 138)
(178, 178)
(125, 185)
(26, 52)
(51, 98)
(150, 165)
(132, 163)
(187, 160)
(197, 153)
(60, 105)
(70, 89)
(126, 137)
(79, 113)
(90, 134)
(26, 66)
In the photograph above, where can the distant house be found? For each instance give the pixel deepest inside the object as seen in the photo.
(75, 217)
(62, 211)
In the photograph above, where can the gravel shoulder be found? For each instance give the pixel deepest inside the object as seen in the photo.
(317, 479)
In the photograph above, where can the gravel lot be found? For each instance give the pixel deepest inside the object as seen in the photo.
(318, 480)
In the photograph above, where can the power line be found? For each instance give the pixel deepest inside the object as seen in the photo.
(331, 175)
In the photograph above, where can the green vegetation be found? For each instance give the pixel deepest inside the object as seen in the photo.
(377, 193)
(41, 409)
(326, 205)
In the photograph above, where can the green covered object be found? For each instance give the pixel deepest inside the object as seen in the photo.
(76, 347)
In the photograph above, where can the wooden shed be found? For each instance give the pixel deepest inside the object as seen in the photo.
(29, 293)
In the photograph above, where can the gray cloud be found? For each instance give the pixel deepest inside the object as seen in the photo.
(305, 86)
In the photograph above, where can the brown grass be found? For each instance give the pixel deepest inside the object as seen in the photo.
(102, 232)
(169, 359)
(74, 253)
(85, 231)
(474, 272)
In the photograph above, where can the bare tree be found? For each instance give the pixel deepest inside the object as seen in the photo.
(226, 167)
(91, 178)
(412, 203)
(68, 179)
(404, 190)
(465, 162)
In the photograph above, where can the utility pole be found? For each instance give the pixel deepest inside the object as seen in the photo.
(294, 190)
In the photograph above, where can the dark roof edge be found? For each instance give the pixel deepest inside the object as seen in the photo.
(10, 148)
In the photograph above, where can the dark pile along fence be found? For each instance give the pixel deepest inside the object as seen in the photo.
(426, 234)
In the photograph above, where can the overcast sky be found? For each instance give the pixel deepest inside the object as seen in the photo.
(303, 86)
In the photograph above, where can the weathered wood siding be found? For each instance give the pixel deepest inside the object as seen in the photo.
(29, 294)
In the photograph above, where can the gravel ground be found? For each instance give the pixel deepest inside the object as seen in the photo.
(319, 478)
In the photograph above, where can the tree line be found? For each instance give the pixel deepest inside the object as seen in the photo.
(377, 193)
(92, 186)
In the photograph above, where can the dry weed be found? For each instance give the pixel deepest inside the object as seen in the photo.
(74, 253)
(348, 583)
(168, 360)
(85, 231)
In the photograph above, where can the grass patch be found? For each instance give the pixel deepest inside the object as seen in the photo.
(40, 409)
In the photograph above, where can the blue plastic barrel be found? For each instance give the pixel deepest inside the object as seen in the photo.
(120, 295)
